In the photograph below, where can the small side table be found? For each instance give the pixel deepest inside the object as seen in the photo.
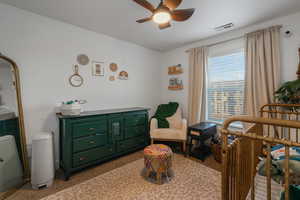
(201, 132)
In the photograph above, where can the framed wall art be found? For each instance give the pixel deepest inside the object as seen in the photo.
(123, 75)
(97, 68)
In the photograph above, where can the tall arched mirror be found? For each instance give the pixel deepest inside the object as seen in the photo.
(13, 156)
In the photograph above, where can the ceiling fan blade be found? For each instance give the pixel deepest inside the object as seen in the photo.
(182, 15)
(164, 26)
(145, 4)
(172, 4)
(144, 20)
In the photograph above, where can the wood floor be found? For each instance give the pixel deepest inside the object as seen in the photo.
(26, 193)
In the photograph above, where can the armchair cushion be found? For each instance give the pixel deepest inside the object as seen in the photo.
(175, 121)
(168, 134)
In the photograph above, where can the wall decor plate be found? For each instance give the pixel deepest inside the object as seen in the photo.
(83, 59)
(76, 80)
(123, 75)
(97, 68)
(112, 78)
(113, 67)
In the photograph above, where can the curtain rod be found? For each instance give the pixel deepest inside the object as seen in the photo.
(221, 42)
(229, 40)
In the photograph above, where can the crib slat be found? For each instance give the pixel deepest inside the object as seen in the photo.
(233, 156)
(252, 169)
(297, 130)
(268, 171)
(238, 170)
(268, 126)
(282, 130)
(225, 184)
(289, 129)
(230, 173)
(287, 172)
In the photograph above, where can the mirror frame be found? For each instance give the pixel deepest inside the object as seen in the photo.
(15, 70)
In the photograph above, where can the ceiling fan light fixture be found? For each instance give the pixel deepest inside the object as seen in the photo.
(161, 17)
(165, 12)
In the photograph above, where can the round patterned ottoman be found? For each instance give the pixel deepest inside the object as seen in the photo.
(158, 159)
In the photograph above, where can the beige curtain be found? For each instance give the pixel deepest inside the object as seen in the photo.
(197, 79)
(262, 68)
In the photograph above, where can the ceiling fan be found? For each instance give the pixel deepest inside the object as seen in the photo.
(165, 12)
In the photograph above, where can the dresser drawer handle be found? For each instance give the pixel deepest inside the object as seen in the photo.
(91, 129)
(82, 158)
(92, 142)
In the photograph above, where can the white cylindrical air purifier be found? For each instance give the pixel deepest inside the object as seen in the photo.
(42, 161)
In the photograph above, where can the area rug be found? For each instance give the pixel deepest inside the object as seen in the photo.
(191, 181)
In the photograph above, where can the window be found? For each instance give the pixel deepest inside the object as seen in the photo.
(225, 85)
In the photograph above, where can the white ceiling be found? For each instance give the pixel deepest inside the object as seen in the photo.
(117, 18)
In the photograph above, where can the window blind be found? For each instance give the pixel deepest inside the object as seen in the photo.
(225, 85)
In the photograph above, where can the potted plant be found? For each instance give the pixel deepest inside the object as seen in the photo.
(289, 93)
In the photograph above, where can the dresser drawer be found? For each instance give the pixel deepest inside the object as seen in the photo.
(88, 128)
(130, 143)
(11, 125)
(135, 120)
(134, 131)
(84, 143)
(91, 155)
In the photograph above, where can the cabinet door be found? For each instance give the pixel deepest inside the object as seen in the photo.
(134, 131)
(116, 128)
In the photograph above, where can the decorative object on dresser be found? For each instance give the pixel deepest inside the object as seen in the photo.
(175, 70)
(97, 136)
(76, 80)
(201, 132)
(83, 59)
(97, 68)
(72, 107)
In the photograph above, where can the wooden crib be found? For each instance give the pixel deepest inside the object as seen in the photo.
(278, 124)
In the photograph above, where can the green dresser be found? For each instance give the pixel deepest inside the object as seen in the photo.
(97, 136)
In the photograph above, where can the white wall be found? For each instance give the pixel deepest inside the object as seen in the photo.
(45, 51)
(179, 56)
(8, 96)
